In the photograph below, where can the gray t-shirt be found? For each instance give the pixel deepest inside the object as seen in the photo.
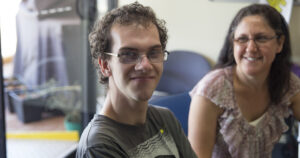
(160, 137)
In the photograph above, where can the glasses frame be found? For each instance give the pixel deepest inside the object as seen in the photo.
(165, 52)
(255, 40)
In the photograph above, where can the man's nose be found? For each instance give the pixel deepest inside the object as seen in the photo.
(143, 63)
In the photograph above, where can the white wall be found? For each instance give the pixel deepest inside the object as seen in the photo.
(201, 25)
(295, 33)
(8, 11)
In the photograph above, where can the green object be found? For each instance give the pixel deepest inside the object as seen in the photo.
(72, 126)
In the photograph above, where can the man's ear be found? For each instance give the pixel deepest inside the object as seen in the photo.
(104, 67)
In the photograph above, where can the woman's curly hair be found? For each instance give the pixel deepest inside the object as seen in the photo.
(135, 13)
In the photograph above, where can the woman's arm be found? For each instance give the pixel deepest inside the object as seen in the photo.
(295, 100)
(202, 125)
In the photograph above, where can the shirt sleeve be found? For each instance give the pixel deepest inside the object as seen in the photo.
(216, 86)
(294, 84)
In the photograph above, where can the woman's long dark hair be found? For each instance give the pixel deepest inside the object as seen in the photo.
(279, 76)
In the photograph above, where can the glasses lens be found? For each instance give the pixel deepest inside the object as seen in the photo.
(241, 40)
(259, 40)
(128, 57)
(264, 39)
(156, 56)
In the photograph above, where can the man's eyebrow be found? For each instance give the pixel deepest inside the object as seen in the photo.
(128, 49)
(136, 49)
(156, 47)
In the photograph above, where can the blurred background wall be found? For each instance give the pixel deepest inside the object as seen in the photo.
(201, 25)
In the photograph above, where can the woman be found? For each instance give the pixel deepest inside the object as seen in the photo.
(238, 109)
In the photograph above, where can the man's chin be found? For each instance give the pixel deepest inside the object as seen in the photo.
(143, 96)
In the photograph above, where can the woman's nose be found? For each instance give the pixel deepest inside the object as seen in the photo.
(251, 45)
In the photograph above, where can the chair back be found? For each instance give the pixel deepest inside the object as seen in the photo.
(179, 104)
(182, 71)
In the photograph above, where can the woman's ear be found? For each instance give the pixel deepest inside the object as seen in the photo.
(104, 67)
(280, 43)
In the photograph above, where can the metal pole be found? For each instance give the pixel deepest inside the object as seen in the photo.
(298, 139)
(89, 75)
(2, 112)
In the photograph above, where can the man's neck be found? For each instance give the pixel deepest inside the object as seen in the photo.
(125, 111)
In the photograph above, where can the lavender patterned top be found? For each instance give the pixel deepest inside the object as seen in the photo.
(236, 138)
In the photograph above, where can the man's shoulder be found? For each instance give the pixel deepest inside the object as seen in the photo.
(158, 110)
(97, 134)
(161, 114)
(100, 128)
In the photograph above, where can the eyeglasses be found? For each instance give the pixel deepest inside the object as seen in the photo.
(258, 40)
(154, 56)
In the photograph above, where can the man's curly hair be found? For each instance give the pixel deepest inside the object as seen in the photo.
(135, 13)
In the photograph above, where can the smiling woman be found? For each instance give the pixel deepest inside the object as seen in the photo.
(248, 96)
(255, 46)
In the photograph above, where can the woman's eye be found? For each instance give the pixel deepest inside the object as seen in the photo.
(243, 39)
(261, 39)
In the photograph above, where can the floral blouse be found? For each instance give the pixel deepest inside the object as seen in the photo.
(236, 138)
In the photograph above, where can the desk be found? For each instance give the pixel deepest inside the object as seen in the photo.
(22, 148)
(53, 144)
(37, 148)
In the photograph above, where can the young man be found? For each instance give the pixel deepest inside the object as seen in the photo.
(128, 46)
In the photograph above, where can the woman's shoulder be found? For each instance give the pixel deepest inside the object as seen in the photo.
(214, 79)
(294, 88)
(294, 83)
(217, 86)
(217, 75)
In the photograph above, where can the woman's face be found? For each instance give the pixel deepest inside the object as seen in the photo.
(255, 46)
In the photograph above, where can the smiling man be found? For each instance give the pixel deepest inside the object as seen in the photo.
(128, 47)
